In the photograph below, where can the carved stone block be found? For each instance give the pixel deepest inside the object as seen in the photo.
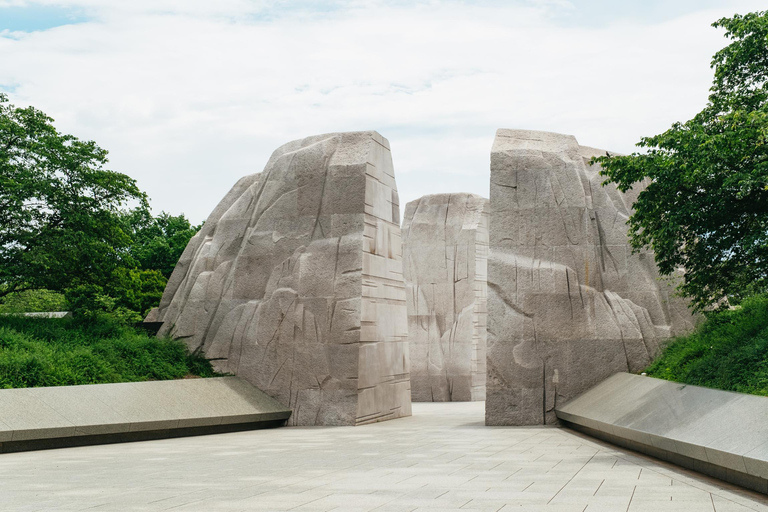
(569, 304)
(445, 252)
(295, 283)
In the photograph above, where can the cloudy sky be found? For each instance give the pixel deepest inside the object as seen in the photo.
(190, 95)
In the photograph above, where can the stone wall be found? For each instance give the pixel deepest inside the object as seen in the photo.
(295, 283)
(568, 303)
(445, 250)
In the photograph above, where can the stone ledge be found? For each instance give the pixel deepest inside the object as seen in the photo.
(718, 433)
(38, 418)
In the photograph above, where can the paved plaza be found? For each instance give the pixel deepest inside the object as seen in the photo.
(442, 458)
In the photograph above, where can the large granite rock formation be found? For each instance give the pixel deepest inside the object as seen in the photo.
(445, 250)
(568, 303)
(295, 283)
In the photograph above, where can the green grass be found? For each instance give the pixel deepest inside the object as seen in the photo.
(728, 351)
(64, 352)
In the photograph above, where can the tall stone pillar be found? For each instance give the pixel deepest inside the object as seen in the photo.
(569, 304)
(295, 283)
(445, 252)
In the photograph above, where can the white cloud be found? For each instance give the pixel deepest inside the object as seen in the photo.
(188, 96)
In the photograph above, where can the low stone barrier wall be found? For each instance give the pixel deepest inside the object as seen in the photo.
(715, 432)
(36, 418)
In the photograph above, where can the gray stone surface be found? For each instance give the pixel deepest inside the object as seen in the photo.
(440, 459)
(716, 428)
(295, 283)
(35, 414)
(445, 253)
(568, 302)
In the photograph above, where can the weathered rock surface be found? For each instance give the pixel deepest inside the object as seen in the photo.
(445, 252)
(568, 303)
(295, 283)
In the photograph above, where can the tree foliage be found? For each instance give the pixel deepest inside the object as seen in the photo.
(32, 301)
(705, 208)
(158, 242)
(65, 225)
(60, 211)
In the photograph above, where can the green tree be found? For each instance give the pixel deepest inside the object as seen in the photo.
(705, 207)
(61, 217)
(136, 290)
(32, 301)
(158, 242)
(128, 295)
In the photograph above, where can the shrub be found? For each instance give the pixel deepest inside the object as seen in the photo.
(728, 351)
(32, 301)
(67, 351)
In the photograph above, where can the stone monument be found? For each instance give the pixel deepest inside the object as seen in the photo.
(445, 250)
(568, 303)
(295, 283)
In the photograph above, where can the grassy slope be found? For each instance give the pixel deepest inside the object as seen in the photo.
(60, 352)
(729, 351)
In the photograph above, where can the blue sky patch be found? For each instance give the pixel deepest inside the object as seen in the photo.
(32, 18)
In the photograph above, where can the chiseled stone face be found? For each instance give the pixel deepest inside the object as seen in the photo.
(568, 303)
(445, 250)
(295, 283)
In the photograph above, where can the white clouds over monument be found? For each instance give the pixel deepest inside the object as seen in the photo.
(190, 96)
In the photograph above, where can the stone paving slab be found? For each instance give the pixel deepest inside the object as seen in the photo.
(442, 458)
(719, 433)
(34, 418)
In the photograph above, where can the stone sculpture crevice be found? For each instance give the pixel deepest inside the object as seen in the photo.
(296, 283)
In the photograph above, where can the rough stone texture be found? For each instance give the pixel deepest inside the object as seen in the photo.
(445, 253)
(568, 303)
(295, 283)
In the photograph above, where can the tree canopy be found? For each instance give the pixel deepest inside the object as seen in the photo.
(69, 225)
(60, 209)
(705, 208)
(158, 241)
